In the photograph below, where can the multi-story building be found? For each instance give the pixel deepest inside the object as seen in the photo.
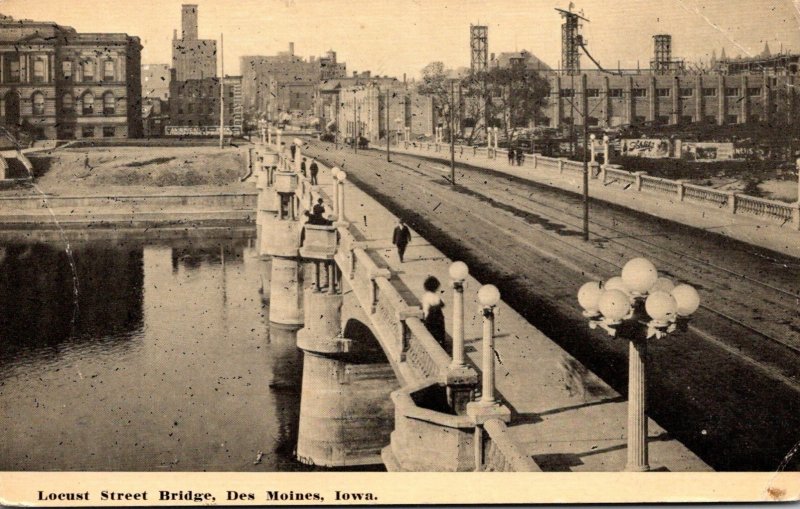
(282, 86)
(155, 81)
(58, 83)
(196, 103)
(192, 58)
(668, 99)
(155, 116)
(365, 106)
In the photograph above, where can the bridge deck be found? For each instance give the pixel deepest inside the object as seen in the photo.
(563, 416)
(753, 230)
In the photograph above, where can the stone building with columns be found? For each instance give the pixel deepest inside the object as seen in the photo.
(647, 98)
(58, 83)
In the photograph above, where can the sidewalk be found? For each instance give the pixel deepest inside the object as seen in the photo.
(563, 416)
(783, 239)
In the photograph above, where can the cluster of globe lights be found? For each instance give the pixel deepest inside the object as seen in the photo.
(608, 304)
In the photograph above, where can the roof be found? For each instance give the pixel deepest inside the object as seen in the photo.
(532, 61)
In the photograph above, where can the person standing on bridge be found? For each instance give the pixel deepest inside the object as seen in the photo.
(292, 149)
(314, 169)
(511, 156)
(432, 310)
(303, 167)
(400, 238)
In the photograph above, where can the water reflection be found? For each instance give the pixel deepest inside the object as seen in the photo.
(168, 364)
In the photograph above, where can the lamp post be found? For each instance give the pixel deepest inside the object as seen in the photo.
(458, 273)
(334, 172)
(637, 306)
(488, 296)
(341, 176)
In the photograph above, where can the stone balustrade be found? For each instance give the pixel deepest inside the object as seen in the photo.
(736, 203)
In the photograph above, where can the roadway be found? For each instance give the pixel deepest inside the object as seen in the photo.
(729, 388)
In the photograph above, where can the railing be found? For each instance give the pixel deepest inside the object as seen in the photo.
(704, 195)
(423, 353)
(622, 176)
(771, 210)
(500, 453)
(659, 185)
(766, 208)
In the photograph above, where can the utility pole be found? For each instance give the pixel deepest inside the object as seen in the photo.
(388, 155)
(585, 101)
(355, 124)
(221, 93)
(452, 137)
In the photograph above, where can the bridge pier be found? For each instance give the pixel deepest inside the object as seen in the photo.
(345, 411)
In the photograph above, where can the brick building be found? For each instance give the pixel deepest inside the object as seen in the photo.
(196, 102)
(155, 81)
(669, 99)
(365, 105)
(58, 83)
(192, 58)
(283, 86)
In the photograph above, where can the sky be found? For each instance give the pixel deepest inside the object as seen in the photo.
(393, 37)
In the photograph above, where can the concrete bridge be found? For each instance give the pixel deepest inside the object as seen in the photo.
(424, 410)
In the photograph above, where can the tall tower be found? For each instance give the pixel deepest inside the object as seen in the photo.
(571, 41)
(189, 22)
(479, 48)
(662, 53)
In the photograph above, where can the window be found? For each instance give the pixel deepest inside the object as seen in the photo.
(615, 92)
(687, 92)
(711, 119)
(754, 118)
(639, 92)
(567, 92)
(639, 119)
(732, 92)
(663, 92)
(567, 120)
(108, 70)
(38, 103)
(67, 102)
(66, 69)
(13, 71)
(108, 132)
(662, 120)
(687, 119)
(38, 70)
(190, 108)
(709, 92)
(592, 92)
(88, 103)
(754, 91)
(732, 119)
(88, 70)
(87, 132)
(109, 106)
(594, 121)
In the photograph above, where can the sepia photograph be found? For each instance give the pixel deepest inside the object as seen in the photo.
(331, 241)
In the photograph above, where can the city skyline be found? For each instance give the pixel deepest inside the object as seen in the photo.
(439, 30)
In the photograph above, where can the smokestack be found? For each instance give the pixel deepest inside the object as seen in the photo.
(189, 22)
(291, 48)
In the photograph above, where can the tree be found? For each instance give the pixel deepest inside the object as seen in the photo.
(436, 84)
(516, 96)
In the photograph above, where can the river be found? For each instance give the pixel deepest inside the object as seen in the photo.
(144, 352)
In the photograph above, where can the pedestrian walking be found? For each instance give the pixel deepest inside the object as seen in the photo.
(314, 169)
(520, 157)
(511, 156)
(303, 166)
(432, 314)
(292, 150)
(400, 238)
